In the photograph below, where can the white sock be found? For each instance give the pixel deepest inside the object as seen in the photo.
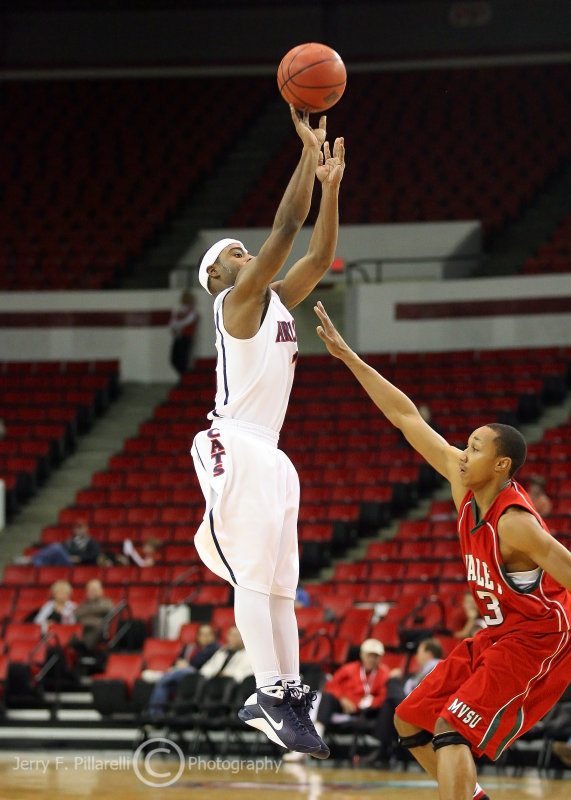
(478, 790)
(286, 637)
(253, 620)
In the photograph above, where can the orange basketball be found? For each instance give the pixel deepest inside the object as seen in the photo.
(312, 77)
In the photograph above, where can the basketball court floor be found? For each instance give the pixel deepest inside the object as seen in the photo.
(108, 775)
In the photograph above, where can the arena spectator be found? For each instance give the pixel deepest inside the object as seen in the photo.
(183, 324)
(80, 548)
(59, 608)
(91, 613)
(428, 654)
(466, 621)
(229, 661)
(538, 495)
(191, 659)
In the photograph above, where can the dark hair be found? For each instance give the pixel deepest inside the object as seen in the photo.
(433, 646)
(510, 443)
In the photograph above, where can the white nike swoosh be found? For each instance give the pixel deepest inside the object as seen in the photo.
(271, 721)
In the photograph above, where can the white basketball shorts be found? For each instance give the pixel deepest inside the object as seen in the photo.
(249, 532)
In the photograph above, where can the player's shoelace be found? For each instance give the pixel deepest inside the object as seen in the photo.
(290, 714)
(302, 699)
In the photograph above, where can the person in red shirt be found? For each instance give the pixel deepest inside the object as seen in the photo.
(359, 687)
(496, 685)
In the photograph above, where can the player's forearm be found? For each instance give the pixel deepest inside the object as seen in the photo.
(323, 242)
(394, 404)
(296, 201)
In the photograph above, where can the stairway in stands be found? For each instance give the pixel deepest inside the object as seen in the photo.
(211, 204)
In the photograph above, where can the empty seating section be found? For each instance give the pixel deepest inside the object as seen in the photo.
(357, 474)
(94, 169)
(554, 255)
(441, 145)
(45, 406)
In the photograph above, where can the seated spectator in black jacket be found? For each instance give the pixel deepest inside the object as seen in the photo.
(80, 548)
(191, 659)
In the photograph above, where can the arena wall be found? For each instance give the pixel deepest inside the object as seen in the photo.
(390, 316)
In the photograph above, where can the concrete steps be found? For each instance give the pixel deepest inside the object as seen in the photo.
(211, 204)
(522, 238)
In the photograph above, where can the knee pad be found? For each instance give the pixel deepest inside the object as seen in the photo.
(448, 738)
(416, 740)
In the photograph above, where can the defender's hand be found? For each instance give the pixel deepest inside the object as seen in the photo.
(331, 167)
(334, 342)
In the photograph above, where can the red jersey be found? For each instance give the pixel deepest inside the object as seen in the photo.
(542, 607)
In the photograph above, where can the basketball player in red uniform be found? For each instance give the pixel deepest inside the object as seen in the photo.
(497, 685)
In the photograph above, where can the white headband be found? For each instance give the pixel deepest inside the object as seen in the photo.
(210, 257)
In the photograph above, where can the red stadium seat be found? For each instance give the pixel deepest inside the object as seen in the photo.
(120, 575)
(351, 572)
(387, 633)
(387, 570)
(26, 651)
(30, 600)
(48, 575)
(142, 515)
(415, 550)
(313, 615)
(383, 551)
(113, 479)
(8, 596)
(166, 648)
(15, 575)
(381, 593)
(25, 631)
(65, 633)
(215, 595)
(175, 515)
(82, 573)
(141, 591)
(160, 575)
(125, 667)
(109, 515)
(142, 607)
(419, 570)
(355, 632)
(222, 618)
(180, 554)
(187, 633)
(335, 604)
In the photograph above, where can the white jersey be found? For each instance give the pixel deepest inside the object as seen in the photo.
(254, 376)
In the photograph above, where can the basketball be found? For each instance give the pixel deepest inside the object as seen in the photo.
(312, 77)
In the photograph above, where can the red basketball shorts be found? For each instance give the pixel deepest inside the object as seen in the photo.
(492, 693)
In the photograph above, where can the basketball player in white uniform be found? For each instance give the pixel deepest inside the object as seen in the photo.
(249, 532)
